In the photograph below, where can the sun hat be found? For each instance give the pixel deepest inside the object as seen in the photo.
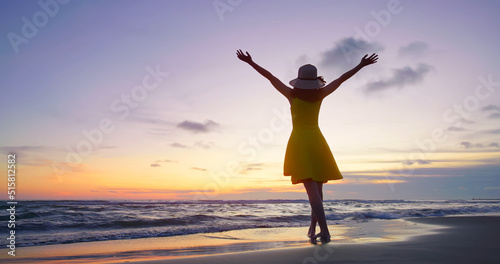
(308, 78)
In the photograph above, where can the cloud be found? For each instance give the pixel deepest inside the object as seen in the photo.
(493, 110)
(35, 155)
(420, 162)
(493, 131)
(454, 128)
(414, 49)
(144, 191)
(200, 169)
(165, 160)
(204, 145)
(347, 52)
(151, 120)
(154, 124)
(490, 108)
(22, 149)
(249, 167)
(155, 164)
(487, 170)
(178, 145)
(469, 145)
(467, 121)
(198, 144)
(244, 168)
(274, 189)
(466, 144)
(494, 144)
(400, 78)
(494, 115)
(197, 127)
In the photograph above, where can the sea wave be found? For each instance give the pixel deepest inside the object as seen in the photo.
(70, 221)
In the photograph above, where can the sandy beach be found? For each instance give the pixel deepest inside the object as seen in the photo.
(467, 239)
(464, 240)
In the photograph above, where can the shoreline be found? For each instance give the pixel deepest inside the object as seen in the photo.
(459, 239)
(275, 243)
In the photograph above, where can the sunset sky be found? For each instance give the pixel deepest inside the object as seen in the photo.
(147, 100)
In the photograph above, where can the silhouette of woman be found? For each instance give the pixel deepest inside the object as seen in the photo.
(308, 159)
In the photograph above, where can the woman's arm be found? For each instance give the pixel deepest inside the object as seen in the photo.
(281, 87)
(331, 87)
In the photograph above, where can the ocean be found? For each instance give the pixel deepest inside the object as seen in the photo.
(71, 221)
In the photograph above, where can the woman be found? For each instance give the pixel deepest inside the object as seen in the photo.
(308, 159)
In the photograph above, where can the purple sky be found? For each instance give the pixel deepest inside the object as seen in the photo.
(423, 123)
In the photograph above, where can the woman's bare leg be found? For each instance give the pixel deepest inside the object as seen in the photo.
(314, 221)
(312, 227)
(314, 191)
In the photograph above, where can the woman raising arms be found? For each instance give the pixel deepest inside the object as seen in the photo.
(308, 158)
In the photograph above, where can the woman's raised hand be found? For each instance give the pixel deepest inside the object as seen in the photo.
(370, 60)
(246, 58)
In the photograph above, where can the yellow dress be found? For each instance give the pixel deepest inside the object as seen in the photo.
(308, 155)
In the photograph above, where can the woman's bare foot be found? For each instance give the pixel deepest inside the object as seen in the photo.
(323, 237)
(325, 240)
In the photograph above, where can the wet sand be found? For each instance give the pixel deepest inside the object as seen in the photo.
(464, 240)
(467, 239)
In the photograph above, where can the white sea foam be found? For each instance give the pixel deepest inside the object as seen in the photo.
(57, 222)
